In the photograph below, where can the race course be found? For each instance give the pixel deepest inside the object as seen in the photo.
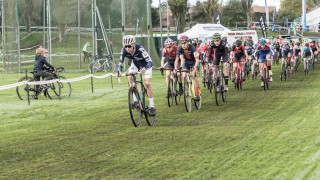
(256, 134)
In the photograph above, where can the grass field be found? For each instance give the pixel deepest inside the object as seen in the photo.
(256, 134)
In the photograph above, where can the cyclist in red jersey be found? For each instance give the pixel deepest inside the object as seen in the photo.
(314, 48)
(170, 50)
(239, 55)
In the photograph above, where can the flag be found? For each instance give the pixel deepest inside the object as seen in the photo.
(263, 27)
(267, 12)
(294, 28)
(273, 25)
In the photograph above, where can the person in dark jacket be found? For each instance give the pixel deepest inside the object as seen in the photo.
(40, 66)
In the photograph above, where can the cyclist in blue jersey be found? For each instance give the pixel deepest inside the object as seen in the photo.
(265, 55)
(189, 61)
(307, 55)
(141, 62)
(249, 50)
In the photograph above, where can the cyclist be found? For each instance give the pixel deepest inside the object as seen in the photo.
(239, 55)
(249, 50)
(141, 61)
(41, 66)
(220, 50)
(170, 50)
(307, 55)
(296, 54)
(265, 55)
(286, 53)
(314, 47)
(189, 60)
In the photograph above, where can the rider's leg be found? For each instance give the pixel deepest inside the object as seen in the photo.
(148, 75)
(261, 71)
(226, 74)
(235, 64)
(168, 73)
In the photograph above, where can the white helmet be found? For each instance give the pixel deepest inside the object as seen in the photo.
(128, 40)
(169, 42)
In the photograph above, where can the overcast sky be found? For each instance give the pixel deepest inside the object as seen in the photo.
(255, 2)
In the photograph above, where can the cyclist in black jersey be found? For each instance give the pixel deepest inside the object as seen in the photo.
(220, 50)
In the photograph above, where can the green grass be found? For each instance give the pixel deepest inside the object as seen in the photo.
(256, 134)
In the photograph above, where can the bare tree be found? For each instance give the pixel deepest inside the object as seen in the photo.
(247, 7)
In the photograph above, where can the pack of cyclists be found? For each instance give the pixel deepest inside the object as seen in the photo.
(188, 56)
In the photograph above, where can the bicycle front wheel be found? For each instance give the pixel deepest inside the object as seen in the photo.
(146, 109)
(135, 106)
(170, 93)
(177, 96)
(22, 90)
(187, 96)
(61, 89)
(216, 91)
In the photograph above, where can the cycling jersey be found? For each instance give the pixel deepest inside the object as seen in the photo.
(219, 51)
(190, 55)
(307, 52)
(314, 47)
(239, 52)
(140, 57)
(297, 50)
(264, 51)
(249, 50)
(172, 54)
(285, 51)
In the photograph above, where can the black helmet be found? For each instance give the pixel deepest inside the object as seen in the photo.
(224, 39)
(238, 42)
(298, 43)
(277, 43)
(313, 41)
(306, 44)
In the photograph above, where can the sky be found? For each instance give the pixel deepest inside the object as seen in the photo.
(255, 2)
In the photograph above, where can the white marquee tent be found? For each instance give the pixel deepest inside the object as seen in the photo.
(201, 31)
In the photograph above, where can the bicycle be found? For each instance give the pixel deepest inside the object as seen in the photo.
(205, 73)
(189, 93)
(255, 71)
(104, 65)
(219, 86)
(172, 92)
(298, 61)
(307, 67)
(285, 71)
(59, 89)
(138, 107)
(265, 76)
(238, 82)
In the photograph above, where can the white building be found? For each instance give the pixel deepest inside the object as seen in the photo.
(313, 18)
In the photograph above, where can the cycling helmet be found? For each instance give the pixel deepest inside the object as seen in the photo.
(277, 43)
(306, 44)
(224, 39)
(184, 39)
(169, 42)
(200, 41)
(216, 37)
(300, 38)
(238, 42)
(313, 41)
(262, 41)
(128, 40)
(298, 43)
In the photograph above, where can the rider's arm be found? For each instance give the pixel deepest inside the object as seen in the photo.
(255, 52)
(164, 52)
(122, 56)
(162, 61)
(182, 61)
(49, 65)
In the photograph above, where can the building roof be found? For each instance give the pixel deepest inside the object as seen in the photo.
(262, 9)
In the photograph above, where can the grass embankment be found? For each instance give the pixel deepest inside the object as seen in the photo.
(256, 134)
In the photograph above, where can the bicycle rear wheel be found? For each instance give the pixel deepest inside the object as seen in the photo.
(170, 92)
(264, 79)
(177, 96)
(22, 90)
(63, 87)
(146, 109)
(135, 106)
(95, 66)
(187, 96)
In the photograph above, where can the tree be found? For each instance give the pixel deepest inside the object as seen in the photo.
(179, 9)
(199, 15)
(246, 5)
(155, 16)
(64, 13)
(232, 14)
(209, 7)
(292, 9)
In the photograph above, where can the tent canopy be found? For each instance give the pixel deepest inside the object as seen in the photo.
(201, 31)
